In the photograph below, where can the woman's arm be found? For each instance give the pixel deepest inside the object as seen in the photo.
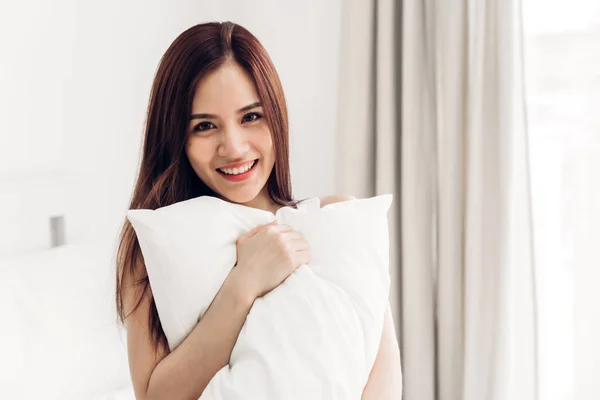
(385, 380)
(185, 372)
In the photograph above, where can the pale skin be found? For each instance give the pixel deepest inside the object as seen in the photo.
(234, 131)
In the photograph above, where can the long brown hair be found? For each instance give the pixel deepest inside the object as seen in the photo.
(165, 175)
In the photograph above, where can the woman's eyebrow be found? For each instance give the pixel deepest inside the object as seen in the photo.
(250, 107)
(203, 116)
(241, 110)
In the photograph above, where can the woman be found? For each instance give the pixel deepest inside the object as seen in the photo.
(217, 125)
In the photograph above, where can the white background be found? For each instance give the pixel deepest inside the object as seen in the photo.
(75, 79)
(563, 91)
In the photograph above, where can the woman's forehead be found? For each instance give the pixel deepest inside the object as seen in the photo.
(227, 89)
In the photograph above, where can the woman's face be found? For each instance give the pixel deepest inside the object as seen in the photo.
(229, 142)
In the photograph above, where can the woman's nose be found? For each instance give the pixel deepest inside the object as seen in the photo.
(233, 144)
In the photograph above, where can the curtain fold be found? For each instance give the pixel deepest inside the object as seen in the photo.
(431, 109)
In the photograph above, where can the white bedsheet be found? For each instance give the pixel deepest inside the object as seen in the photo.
(59, 339)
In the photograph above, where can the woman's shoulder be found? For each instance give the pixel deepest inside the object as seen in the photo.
(335, 198)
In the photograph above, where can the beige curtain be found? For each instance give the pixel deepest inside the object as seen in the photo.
(367, 141)
(431, 109)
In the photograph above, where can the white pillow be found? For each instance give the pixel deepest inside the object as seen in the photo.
(316, 335)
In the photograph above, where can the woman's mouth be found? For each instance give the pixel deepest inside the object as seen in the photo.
(238, 174)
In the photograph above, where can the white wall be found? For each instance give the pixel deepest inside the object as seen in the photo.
(585, 214)
(75, 80)
(35, 61)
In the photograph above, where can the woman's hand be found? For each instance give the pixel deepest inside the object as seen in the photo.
(268, 254)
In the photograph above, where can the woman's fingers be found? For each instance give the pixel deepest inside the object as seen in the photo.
(301, 257)
(292, 235)
(299, 244)
(254, 231)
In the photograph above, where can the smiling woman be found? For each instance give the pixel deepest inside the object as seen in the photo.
(217, 126)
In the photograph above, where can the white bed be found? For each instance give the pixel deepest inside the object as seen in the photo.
(58, 333)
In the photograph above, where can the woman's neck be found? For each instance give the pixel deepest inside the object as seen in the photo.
(263, 201)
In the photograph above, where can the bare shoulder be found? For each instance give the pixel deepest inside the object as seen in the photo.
(335, 198)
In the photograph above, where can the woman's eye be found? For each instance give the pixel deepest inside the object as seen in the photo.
(204, 126)
(250, 117)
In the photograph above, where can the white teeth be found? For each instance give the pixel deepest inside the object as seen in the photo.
(237, 171)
